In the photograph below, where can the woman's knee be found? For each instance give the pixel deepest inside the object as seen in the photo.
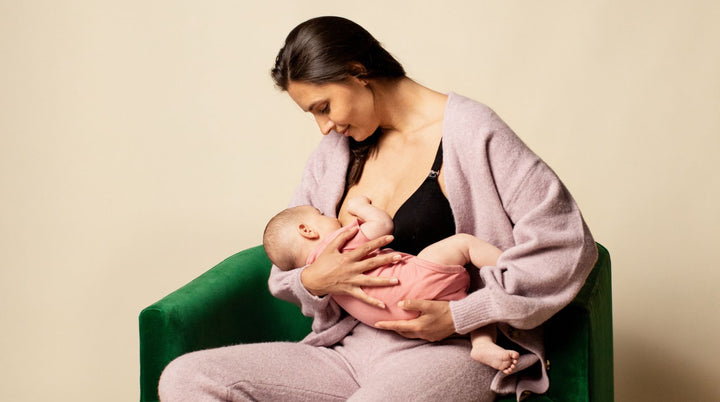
(181, 379)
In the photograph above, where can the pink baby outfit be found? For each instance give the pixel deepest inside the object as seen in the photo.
(419, 280)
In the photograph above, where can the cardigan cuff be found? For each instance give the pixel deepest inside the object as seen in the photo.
(307, 300)
(472, 312)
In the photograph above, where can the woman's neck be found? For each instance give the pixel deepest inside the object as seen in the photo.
(404, 106)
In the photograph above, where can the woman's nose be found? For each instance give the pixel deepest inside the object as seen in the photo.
(325, 124)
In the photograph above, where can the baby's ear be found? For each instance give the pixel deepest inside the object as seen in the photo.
(307, 232)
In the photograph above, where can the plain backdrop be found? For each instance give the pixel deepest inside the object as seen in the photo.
(141, 142)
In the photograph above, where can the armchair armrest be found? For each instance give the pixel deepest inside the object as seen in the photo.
(226, 305)
(579, 343)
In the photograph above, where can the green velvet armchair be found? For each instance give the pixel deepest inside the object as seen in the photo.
(231, 304)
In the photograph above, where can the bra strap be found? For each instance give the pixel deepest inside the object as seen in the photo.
(435, 170)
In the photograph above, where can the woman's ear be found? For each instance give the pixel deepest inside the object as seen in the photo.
(307, 232)
(362, 81)
(359, 72)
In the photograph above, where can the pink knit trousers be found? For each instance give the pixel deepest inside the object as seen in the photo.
(368, 365)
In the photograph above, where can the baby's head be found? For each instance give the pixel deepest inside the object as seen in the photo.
(291, 235)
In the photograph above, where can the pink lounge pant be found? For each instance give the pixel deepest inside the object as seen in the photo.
(368, 365)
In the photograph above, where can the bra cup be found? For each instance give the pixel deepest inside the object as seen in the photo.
(425, 217)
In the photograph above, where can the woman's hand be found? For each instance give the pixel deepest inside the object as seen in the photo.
(335, 272)
(434, 324)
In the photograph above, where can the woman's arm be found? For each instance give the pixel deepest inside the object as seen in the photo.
(530, 214)
(435, 321)
(545, 268)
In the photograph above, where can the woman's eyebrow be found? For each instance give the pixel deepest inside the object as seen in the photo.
(313, 105)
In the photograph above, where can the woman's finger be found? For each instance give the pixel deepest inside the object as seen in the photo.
(375, 281)
(421, 306)
(362, 296)
(379, 261)
(402, 327)
(343, 237)
(367, 248)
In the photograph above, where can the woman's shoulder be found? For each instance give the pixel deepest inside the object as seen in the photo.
(470, 120)
(459, 106)
(474, 130)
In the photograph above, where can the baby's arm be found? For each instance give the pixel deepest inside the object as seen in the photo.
(374, 221)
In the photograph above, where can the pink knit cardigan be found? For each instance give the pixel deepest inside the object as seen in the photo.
(499, 191)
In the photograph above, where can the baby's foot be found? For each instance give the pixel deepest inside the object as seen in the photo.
(496, 357)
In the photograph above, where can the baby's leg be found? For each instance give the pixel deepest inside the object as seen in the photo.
(486, 351)
(447, 251)
(461, 249)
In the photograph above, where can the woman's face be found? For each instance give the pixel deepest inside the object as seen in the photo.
(347, 107)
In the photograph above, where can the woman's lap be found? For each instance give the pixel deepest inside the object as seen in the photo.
(369, 365)
(396, 368)
(262, 371)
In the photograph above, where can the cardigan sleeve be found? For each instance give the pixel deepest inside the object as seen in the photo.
(548, 251)
(552, 256)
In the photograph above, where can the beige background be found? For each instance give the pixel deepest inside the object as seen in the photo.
(141, 142)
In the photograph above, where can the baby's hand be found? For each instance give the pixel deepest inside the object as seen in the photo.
(358, 201)
(374, 222)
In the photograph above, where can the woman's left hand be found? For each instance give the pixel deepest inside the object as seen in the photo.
(434, 324)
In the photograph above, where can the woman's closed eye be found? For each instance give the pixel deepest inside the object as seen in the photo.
(324, 109)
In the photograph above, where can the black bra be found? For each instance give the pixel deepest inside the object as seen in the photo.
(425, 217)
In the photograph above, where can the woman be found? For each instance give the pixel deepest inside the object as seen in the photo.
(439, 164)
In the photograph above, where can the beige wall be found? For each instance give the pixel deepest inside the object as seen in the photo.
(142, 141)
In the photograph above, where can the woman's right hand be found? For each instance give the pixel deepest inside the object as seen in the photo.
(335, 272)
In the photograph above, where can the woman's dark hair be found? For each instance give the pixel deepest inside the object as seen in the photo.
(331, 49)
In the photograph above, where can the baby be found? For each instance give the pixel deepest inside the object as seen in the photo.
(296, 236)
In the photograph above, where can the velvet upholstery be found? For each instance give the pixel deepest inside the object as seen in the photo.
(231, 304)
